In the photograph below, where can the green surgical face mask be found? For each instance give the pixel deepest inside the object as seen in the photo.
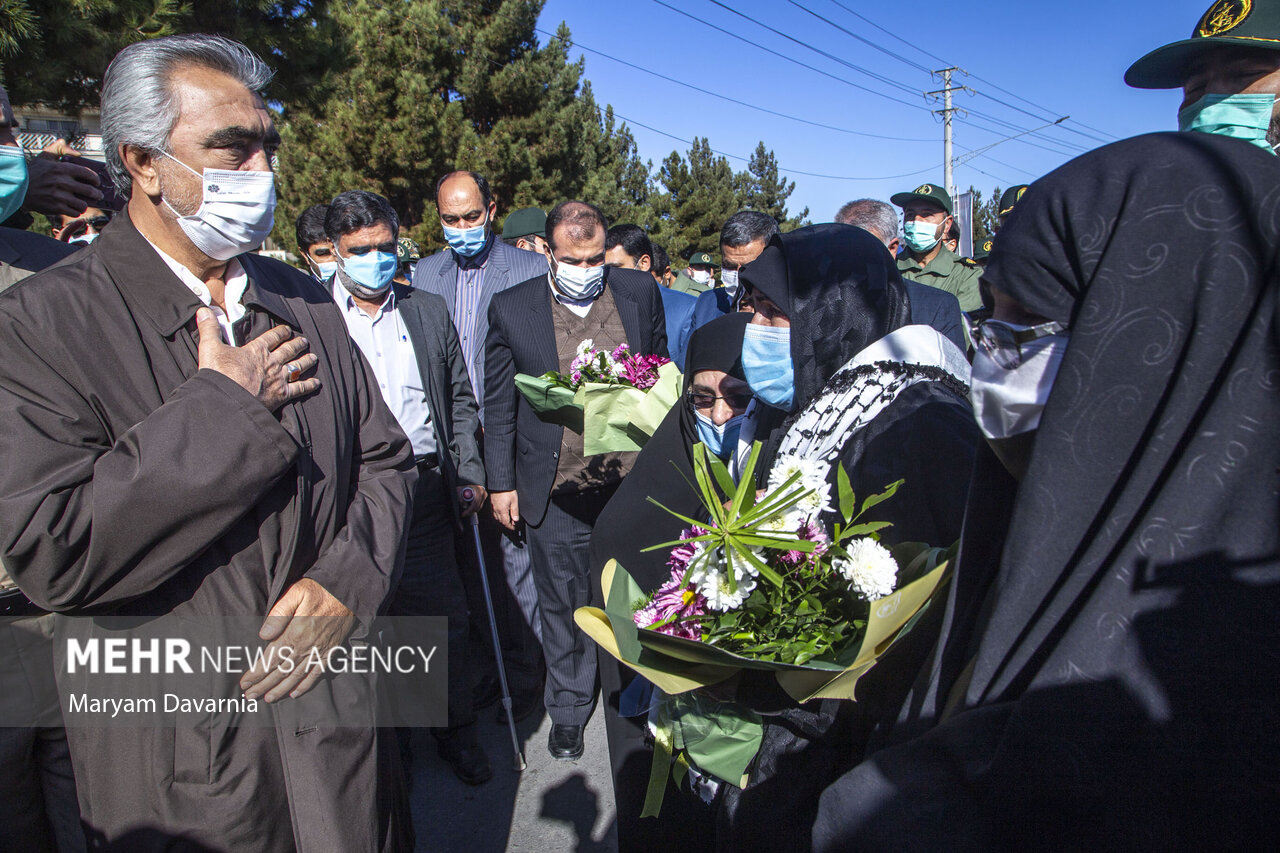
(922, 236)
(1243, 117)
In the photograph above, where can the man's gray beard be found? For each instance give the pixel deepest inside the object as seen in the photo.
(357, 289)
(1273, 134)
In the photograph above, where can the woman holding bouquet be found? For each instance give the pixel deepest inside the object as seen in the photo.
(830, 348)
(716, 410)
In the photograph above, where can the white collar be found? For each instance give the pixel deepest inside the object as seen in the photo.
(235, 282)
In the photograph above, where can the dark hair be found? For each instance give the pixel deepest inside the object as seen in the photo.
(581, 218)
(747, 226)
(953, 233)
(632, 239)
(310, 226)
(512, 241)
(356, 209)
(486, 196)
(661, 263)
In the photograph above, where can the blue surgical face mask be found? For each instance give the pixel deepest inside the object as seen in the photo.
(467, 241)
(766, 363)
(83, 239)
(13, 180)
(721, 440)
(369, 275)
(325, 271)
(1243, 117)
(922, 236)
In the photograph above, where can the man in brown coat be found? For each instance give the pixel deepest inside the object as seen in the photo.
(188, 434)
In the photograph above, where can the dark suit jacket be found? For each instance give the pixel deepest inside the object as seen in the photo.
(931, 306)
(520, 451)
(507, 266)
(710, 304)
(23, 253)
(455, 416)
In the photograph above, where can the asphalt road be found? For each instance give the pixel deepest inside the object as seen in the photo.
(553, 806)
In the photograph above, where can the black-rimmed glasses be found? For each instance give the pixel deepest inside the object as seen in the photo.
(1004, 342)
(702, 400)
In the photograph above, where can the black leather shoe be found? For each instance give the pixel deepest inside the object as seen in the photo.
(522, 706)
(487, 691)
(565, 742)
(468, 759)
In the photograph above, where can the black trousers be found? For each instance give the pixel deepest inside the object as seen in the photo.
(430, 585)
(561, 571)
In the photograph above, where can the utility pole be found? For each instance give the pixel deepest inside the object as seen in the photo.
(947, 112)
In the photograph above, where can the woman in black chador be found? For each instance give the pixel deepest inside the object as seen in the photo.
(1108, 675)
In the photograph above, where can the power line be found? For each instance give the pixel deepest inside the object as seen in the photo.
(731, 100)
(791, 59)
(937, 58)
(922, 68)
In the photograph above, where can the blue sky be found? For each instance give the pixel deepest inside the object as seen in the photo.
(1064, 58)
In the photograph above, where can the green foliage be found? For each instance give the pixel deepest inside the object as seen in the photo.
(762, 189)
(428, 87)
(55, 51)
(985, 215)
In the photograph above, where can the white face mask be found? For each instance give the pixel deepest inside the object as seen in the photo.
(700, 276)
(579, 283)
(236, 211)
(729, 278)
(1009, 402)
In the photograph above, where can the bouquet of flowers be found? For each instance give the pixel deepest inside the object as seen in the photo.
(764, 584)
(614, 399)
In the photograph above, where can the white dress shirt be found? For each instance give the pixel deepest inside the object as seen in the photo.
(384, 340)
(581, 307)
(235, 282)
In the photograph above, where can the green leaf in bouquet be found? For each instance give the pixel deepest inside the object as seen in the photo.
(723, 477)
(872, 501)
(845, 490)
(709, 497)
(760, 565)
(863, 529)
(686, 519)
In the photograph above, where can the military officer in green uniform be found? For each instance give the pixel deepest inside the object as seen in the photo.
(1008, 199)
(927, 216)
(699, 277)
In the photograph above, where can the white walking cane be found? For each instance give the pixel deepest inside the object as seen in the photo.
(469, 495)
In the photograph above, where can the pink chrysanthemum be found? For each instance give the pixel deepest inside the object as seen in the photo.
(673, 604)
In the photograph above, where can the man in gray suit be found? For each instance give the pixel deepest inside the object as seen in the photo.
(408, 340)
(476, 266)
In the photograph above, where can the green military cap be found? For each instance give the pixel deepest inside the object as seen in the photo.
(1009, 198)
(982, 249)
(524, 223)
(925, 192)
(407, 251)
(701, 259)
(1242, 23)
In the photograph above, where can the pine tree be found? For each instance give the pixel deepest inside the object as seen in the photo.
(55, 52)
(431, 87)
(701, 193)
(764, 190)
(985, 215)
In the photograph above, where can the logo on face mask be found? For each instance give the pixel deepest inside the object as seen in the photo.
(1223, 16)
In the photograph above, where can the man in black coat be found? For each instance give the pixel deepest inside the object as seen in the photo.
(537, 471)
(412, 346)
(189, 435)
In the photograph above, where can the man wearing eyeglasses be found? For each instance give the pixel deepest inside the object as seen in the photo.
(83, 229)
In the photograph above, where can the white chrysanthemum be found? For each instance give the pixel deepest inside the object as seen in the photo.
(586, 346)
(788, 521)
(618, 369)
(715, 589)
(870, 569)
(813, 478)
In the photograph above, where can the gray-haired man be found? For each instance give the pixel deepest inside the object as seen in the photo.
(190, 435)
(930, 306)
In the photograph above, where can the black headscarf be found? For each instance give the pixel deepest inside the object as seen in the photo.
(840, 289)
(1111, 679)
(664, 468)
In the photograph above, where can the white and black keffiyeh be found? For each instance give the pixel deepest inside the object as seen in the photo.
(868, 383)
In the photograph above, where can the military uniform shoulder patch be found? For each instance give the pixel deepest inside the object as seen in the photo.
(970, 263)
(1224, 16)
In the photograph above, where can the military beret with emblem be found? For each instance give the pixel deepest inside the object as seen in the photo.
(525, 222)
(1242, 23)
(701, 259)
(407, 251)
(1009, 198)
(925, 192)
